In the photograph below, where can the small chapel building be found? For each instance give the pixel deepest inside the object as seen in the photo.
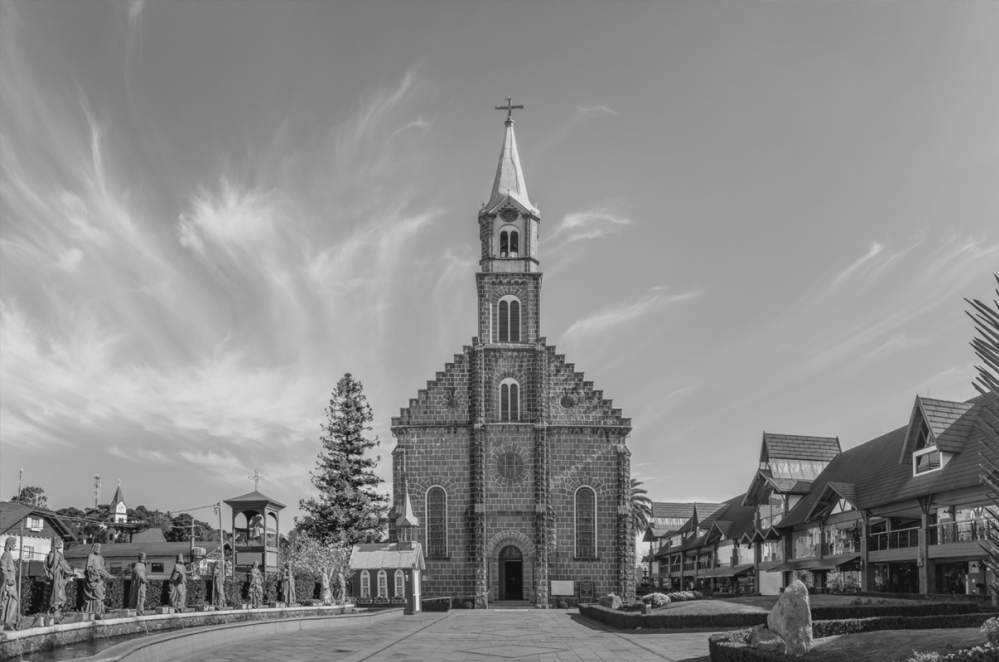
(516, 466)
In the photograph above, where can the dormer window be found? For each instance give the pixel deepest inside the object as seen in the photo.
(926, 460)
(923, 439)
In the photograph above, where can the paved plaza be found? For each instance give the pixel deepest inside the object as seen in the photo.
(534, 635)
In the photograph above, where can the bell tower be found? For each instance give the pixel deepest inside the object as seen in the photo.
(509, 280)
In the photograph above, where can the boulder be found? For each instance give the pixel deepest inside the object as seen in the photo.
(791, 619)
(763, 639)
(610, 601)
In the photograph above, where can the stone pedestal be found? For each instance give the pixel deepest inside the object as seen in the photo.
(164, 610)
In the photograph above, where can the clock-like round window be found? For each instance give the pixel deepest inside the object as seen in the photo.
(510, 466)
(509, 215)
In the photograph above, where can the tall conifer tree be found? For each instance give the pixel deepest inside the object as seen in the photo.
(349, 508)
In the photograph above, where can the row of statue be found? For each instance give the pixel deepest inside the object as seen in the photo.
(58, 572)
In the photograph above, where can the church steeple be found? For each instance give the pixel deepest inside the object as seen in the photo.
(509, 180)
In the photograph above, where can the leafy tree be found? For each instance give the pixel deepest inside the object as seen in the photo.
(641, 506)
(32, 496)
(986, 347)
(331, 562)
(349, 510)
(180, 530)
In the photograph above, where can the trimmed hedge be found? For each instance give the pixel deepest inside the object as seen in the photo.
(669, 620)
(732, 646)
(199, 592)
(436, 604)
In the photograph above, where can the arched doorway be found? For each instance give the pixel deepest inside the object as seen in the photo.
(511, 573)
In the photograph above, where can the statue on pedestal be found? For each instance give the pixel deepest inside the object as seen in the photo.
(256, 586)
(57, 571)
(178, 585)
(327, 595)
(137, 594)
(94, 575)
(9, 612)
(218, 585)
(288, 586)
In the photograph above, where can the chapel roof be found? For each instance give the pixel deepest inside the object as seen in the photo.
(374, 556)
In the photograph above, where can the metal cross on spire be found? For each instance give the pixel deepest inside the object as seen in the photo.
(509, 108)
(256, 478)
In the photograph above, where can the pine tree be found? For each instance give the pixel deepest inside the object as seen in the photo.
(349, 509)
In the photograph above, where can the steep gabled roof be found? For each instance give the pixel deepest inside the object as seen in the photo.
(950, 424)
(509, 183)
(12, 513)
(732, 519)
(764, 483)
(831, 493)
(798, 447)
(118, 498)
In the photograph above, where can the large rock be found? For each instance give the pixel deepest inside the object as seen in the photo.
(791, 619)
(610, 601)
(766, 640)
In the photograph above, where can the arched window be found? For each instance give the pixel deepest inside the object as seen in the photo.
(509, 319)
(436, 523)
(382, 584)
(365, 584)
(514, 243)
(509, 397)
(504, 244)
(586, 523)
(509, 242)
(400, 584)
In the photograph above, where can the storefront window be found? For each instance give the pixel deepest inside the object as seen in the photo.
(843, 538)
(772, 550)
(806, 543)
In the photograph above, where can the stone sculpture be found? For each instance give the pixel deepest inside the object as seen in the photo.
(762, 638)
(94, 575)
(288, 586)
(9, 612)
(178, 585)
(137, 594)
(791, 618)
(57, 572)
(610, 601)
(256, 586)
(218, 585)
(327, 595)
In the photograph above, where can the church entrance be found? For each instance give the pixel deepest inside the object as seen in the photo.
(511, 574)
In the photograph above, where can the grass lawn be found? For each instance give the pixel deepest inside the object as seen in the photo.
(892, 645)
(761, 603)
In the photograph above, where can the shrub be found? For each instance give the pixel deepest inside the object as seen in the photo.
(562, 604)
(990, 629)
(986, 653)
(656, 599)
(436, 604)
(467, 604)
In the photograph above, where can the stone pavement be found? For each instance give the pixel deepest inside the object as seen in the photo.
(473, 635)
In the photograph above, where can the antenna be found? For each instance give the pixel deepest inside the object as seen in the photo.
(97, 489)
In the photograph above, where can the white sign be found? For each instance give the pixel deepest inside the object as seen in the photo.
(563, 587)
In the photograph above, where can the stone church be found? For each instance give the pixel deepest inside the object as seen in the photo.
(510, 468)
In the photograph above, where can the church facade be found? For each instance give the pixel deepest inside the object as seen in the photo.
(514, 466)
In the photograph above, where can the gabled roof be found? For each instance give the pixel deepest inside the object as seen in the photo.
(673, 509)
(12, 513)
(131, 550)
(764, 483)
(832, 492)
(949, 423)
(374, 556)
(798, 447)
(880, 481)
(509, 183)
(118, 498)
(154, 534)
(701, 511)
(732, 519)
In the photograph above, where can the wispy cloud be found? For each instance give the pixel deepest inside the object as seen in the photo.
(593, 223)
(611, 317)
(583, 114)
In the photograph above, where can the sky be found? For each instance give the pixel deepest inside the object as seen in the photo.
(755, 217)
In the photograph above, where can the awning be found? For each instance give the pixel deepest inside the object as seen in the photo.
(833, 562)
(727, 571)
(794, 564)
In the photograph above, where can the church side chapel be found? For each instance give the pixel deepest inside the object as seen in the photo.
(515, 466)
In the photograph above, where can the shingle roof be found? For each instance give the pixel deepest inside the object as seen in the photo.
(950, 422)
(254, 496)
(154, 534)
(798, 447)
(131, 550)
(732, 518)
(672, 509)
(880, 480)
(372, 556)
(12, 512)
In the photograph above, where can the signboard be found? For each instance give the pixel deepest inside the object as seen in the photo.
(563, 588)
(586, 591)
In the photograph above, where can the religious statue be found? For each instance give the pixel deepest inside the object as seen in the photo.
(288, 585)
(327, 595)
(137, 594)
(178, 584)
(9, 612)
(94, 575)
(57, 571)
(218, 585)
(256, 586)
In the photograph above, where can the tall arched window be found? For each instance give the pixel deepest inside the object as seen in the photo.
(509, 319)
(436, 523)
(400, 584)
(509, 242)
(586, 523)
(509, 397)
(514, 243)
(382, 584)
(504, 244)
(365, 584)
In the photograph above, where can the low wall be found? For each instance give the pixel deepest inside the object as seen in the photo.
(196, 624)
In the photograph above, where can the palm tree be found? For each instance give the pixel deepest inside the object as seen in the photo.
(641, 506)
(986, 347)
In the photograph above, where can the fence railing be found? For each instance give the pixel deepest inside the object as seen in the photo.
(893, 540)
(953, 532)
(840, 547)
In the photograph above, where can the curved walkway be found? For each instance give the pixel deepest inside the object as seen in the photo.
(473, 635)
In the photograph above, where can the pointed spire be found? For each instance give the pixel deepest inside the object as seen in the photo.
(408, 518)
(509, 179)
(118, 498)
